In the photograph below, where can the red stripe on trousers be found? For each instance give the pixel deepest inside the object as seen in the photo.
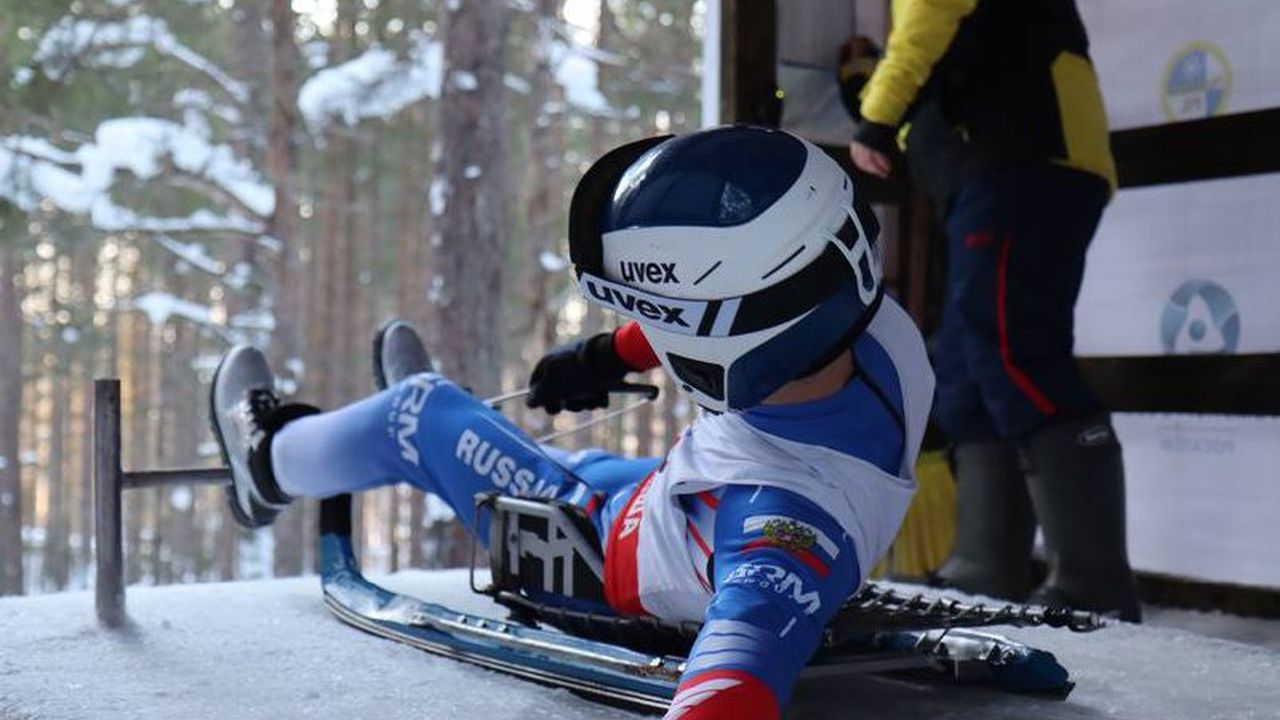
(1019, 378)
(621, 571)
(697, 537)
(702, 545)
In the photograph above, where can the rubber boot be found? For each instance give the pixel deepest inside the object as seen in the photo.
(1076, 480)
(995, 525)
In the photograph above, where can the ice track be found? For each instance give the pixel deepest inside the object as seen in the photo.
(270, 649)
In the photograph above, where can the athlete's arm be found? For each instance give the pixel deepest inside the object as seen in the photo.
(782, 568)
(922, 32)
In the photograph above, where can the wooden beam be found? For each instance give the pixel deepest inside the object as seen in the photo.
(749, 62)
(1216, 147)
(1227, 384)
(108, 482)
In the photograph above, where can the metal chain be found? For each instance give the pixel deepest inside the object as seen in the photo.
(875, 608)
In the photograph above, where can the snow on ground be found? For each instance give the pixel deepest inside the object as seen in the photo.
(270, 649)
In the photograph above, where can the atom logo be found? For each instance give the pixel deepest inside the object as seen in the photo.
(1200, 318)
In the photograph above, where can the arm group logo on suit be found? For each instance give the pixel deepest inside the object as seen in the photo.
(1200, 317)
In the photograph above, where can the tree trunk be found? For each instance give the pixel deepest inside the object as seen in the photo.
(11, 329)
(468, 268)
(57, 550)
(137, 440)
(413, 260)
(282, 162)
(84, 548)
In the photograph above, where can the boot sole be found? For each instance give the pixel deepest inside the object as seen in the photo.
(379, 377)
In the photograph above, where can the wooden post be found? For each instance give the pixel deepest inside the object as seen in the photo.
(108, 483)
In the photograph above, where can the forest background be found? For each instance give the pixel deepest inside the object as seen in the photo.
(180, 175)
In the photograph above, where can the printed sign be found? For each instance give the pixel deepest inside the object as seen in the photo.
(1202, 495)
(1163, 61)
(1197, 83)
(1183, 269)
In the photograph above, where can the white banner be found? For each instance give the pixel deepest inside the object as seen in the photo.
(1203, 495)
(1163, 61)
(1188, 268)
(811, 106)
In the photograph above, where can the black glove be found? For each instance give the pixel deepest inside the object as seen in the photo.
(576, 376)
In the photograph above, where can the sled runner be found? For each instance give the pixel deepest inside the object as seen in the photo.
(637, 661)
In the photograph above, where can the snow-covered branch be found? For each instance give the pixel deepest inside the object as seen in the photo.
(80, 181)
(375, 83)
(120, 44)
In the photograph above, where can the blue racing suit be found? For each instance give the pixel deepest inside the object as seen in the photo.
(777, 565)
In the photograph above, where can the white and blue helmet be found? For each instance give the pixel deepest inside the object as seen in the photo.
(743, 252)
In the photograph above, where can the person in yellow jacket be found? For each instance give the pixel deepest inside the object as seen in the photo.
(997, 108)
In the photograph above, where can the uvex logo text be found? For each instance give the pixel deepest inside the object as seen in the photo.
(652, 272)
(635, 305)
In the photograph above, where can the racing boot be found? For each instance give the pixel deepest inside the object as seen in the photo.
(1076, 480)
(995, 525)
(246, 414)
(398, 352)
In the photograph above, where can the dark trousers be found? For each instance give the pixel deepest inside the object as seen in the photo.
(1016, 243)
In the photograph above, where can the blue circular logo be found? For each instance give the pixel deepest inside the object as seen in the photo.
(1200, 317)
(1197, 83)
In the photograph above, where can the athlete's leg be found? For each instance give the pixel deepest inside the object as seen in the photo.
(426, 431)
(430, 433)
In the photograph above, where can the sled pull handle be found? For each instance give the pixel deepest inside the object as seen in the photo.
(649, 391)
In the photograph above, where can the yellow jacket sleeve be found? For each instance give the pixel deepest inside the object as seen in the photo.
(922, 32)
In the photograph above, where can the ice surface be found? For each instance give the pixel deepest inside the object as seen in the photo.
(270, 650)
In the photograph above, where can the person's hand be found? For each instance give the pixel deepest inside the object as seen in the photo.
(576, 376)
(869, 160)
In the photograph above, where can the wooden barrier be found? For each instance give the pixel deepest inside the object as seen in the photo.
(110, 481)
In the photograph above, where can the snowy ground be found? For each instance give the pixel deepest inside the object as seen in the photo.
(271, 650)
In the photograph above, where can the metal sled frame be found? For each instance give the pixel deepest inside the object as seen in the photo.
(637, 661)
(640, 680)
